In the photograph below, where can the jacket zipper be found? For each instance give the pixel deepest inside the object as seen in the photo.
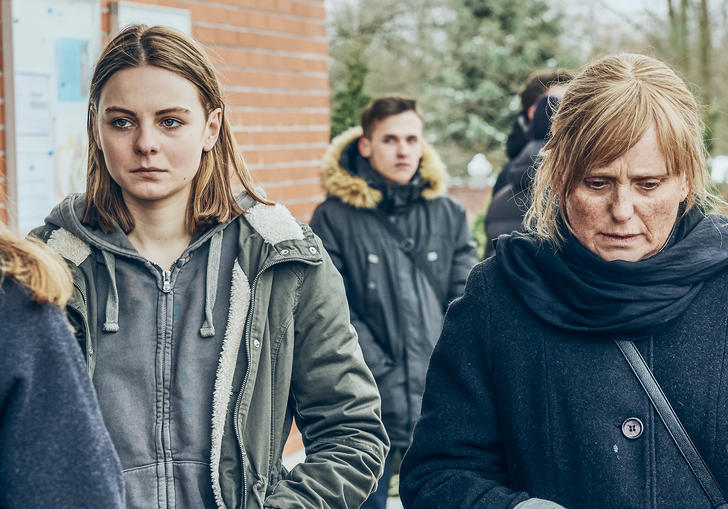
(166, 281)
(86, 332)
(248, 328)
(166, 288)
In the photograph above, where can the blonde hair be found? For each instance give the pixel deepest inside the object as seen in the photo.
(211, 197)
(33, 265)
(606, 110)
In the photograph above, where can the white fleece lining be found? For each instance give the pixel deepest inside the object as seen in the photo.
(69, 246)
(239, 304)
(274, 223)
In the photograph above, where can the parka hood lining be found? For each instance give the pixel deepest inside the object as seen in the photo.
(355, 191)
(239, 305)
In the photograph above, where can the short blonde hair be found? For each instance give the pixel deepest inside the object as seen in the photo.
(34, 266)
(211, 198)
(606, 110)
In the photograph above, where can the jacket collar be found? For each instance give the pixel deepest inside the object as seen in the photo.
(355, 191)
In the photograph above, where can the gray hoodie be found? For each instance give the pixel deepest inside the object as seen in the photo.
(159, 338)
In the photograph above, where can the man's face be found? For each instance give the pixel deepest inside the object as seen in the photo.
(395, 147)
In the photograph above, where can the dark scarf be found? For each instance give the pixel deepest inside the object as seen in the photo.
(394, 196)
(574, 289)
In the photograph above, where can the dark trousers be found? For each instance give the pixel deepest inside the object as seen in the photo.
(378, 499)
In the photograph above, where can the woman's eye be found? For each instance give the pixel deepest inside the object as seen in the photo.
(121, 123)
(595, 183)
(171, 123)
(649, 185)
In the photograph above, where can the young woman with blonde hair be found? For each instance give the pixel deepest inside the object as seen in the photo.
(208, 322)
(54, 449)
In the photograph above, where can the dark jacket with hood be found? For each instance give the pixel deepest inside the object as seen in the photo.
(394, 308)
(509, 205)
(200, 369)
(527, 392)
(54, 448)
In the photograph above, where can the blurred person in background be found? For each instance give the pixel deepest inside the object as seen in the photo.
(508, 207)
(403, 249)
(537, 85)
(209, 322)
(589, 354)
(54, 448)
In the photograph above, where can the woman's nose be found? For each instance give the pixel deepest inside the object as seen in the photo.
(622, 206)
(146, 141)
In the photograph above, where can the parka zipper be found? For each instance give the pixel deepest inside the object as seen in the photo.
(246, 335)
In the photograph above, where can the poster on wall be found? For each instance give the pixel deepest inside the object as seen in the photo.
(54, 45)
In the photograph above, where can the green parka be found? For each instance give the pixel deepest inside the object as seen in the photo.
(289, 351)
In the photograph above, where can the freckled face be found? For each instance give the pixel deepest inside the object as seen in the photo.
(395, 147)
(152, 129)
(626, 211)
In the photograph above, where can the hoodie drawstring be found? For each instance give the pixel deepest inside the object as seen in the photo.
(111, 321)
(213, 269)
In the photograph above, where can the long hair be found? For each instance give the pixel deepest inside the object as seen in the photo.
(211, 198)
(33, 265)
(607, 108)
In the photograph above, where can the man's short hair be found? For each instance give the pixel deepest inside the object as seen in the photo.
(384, 107)
(538, 83)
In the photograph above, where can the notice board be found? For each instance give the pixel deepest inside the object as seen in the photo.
(50, 47)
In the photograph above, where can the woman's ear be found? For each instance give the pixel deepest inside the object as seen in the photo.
(214, 123)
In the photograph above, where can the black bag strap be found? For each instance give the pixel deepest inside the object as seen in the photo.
(672, 423)
(407, 246)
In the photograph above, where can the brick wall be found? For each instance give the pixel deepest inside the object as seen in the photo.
(272, 59)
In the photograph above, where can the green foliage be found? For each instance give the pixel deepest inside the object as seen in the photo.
(464, 60)
(478, 230)
(492, 47)
(351, 99)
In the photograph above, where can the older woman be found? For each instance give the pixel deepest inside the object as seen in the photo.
(530, 401)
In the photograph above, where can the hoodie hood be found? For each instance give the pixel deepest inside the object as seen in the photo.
(73, 238)
(355, 188)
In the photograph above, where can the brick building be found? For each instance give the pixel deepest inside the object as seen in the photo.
(272, 59)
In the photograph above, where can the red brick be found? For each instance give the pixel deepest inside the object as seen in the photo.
(277, 118)
(276, 100)
(281, 137)
(287, 173)
(261, 59)
(285, 80)
(105, 22)
(4, 214)
(244, 39)
(292, 191)
(258, 157)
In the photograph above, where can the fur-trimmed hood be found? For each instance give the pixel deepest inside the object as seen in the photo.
(355, 191)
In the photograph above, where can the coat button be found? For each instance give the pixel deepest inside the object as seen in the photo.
(284, 252)
(256, 343)
(632, 428)
(312, 250)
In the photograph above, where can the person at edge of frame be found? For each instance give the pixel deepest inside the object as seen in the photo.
(54, 448)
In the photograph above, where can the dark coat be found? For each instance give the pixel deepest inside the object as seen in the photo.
(54, 448)
(509, 205)
(396, 312)
(516, 408)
